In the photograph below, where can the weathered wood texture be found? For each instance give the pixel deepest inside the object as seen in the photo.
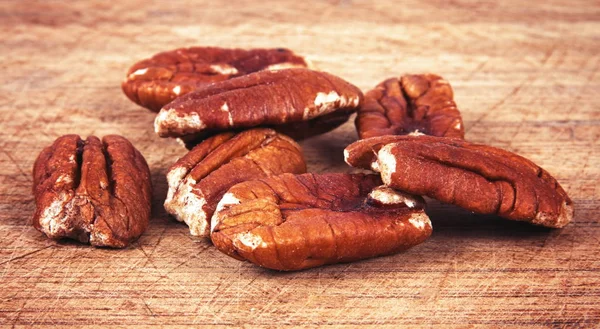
(525, 76)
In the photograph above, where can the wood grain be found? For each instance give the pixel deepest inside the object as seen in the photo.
(525, 77)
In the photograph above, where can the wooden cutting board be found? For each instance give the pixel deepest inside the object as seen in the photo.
(525, 78)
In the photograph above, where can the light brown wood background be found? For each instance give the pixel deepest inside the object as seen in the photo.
(525, 76)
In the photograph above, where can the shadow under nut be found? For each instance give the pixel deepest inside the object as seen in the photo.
(199, 179)
(479, 178)
(156, 81)
(92, 191)
(412, 104)
(265, 98)
(293, 222)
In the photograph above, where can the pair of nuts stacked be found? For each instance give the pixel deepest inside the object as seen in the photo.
(243, 184)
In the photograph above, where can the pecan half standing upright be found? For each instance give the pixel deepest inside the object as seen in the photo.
(479, 178)
(198, 180)
(154, 82)
(293, 222)
(92, 191)
(265, 98)
(413, 104)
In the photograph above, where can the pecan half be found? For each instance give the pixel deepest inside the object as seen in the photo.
(296, 130)
(420, 103)
(293, 222)
(476, 177)
(198, 180)
(265, 98)
(154, 82)
(92, 191)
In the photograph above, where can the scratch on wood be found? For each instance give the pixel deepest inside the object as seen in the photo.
(25, 255)
(14, 162)
(148, 307)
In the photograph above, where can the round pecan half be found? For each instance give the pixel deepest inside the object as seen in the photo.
(413, 104)
(199, 179)
(265, 98)
(292, 222)
(154, 82)
(92, 191)
(476, 177)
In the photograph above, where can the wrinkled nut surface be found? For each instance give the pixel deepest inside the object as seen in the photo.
(199, 179)
(154, 82)
(293, 222)
(265, 98)
(296, 130)
(92, 191)
(413, 104)
(479, 178)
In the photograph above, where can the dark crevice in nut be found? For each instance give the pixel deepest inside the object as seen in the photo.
(78, 161)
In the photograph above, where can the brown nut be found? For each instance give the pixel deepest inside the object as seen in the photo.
(413, 104)
(296, 130)
(265, 98)
(92, 191)
(154, 82)
(198, 180)
(479, 178)
(293, 222)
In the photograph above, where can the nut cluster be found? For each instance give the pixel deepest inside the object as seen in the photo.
(244, 185)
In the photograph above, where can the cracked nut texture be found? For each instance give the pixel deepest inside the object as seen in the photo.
(199, 179)
(265, 98)
(413, 104)
(92, 191)
(292, 222)
(479, 178)
(154, 82)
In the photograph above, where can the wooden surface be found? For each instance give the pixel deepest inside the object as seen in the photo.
(525, 76)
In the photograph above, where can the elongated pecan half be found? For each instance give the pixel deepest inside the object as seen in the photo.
(92, 191)
(476, 177)
(265, 98)
(199, 179)
(420, 103)
(292, 222)
(296, 130)
(154, 82)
